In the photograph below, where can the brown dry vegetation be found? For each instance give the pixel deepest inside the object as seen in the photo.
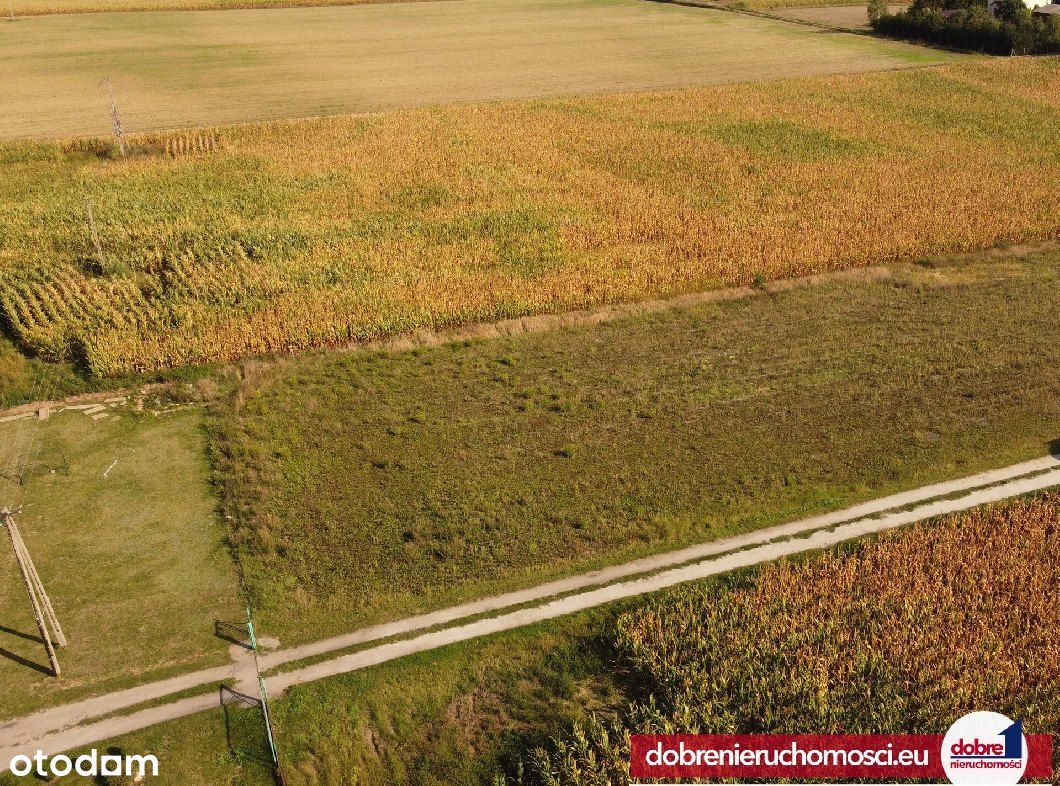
(900, 635)
(326, 231)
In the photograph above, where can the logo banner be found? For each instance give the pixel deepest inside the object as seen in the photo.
(880, 756)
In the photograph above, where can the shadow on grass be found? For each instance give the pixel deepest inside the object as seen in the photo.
(1054, 448)
(29, 664)
(232, 632)
(20, 634)
(244, 726)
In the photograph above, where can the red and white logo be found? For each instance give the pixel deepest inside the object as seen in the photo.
(985, 748)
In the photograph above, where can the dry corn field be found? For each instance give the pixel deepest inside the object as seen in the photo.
(900, 635)
(287, 235)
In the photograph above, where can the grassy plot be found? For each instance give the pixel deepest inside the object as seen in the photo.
(372, 486)
(23, 379)
(335, 230)
(134, 562)
(206, 749)
(461, 714)
(174, 68)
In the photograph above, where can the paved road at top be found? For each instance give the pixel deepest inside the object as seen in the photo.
(55, 730)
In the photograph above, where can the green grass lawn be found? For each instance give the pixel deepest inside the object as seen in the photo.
(370, 486)
(192, 751)
(135, 563)
(22, 379)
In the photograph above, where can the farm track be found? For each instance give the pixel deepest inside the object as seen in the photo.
(56, 729)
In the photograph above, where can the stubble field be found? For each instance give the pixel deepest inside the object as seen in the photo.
(24, 8)
(181, 68)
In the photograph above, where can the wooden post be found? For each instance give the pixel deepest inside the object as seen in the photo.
(49, 611)
(32, 581)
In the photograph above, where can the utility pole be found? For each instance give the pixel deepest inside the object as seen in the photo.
(115, 118)
(43, 613)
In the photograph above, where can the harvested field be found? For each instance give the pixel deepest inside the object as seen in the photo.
(855, 17)
(375, 486)
(174, 69)
(24, 8)
(322, 232)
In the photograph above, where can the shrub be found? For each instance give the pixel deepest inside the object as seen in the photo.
(967, 24)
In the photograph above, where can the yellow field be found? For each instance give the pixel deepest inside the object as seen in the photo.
(321, 232)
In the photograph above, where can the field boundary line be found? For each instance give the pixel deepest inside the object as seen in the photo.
(707, 4)
(84, 398)
(72, 725)
(561, 320)
(609, 312)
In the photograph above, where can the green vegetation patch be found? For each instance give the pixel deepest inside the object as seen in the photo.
(451, 716)
(370, 485)
(787, 139)
(120, 520)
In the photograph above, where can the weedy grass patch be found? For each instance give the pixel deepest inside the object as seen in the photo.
(374, 485)
(120, 519)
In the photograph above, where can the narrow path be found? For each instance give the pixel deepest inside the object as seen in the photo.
(56, 729)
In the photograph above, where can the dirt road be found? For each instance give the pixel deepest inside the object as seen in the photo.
(56, 729)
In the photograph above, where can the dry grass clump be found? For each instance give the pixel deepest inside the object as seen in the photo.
(326, 231)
